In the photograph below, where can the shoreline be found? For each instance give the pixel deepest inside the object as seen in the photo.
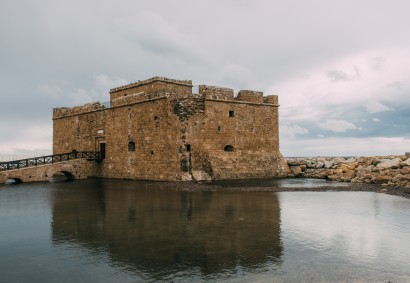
(230, 186)
(343, 187)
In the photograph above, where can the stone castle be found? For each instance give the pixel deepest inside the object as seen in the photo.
(160, 129)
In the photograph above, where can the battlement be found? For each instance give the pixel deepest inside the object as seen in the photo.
(250, 96)
(271, 99)
(159, 87)
(154, 84)
(215, 92)
(70, 111)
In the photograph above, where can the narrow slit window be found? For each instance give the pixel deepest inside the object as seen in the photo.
(231, 113)
(131, 146)
(188, 147)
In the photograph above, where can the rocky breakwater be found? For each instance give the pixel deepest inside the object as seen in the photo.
(393, 170)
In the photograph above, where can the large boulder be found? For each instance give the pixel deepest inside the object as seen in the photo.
(381, 179)
(406, 162)
(389, 163)
(296, 170)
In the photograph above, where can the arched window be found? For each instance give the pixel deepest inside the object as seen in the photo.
(131, 146)
(228, 148)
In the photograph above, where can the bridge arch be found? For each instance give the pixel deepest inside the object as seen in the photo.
(62, 176)
(13, 180)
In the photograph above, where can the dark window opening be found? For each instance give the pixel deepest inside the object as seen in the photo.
(152, 152)
(219, 128)
(131, 146)
(156, 117)
(102, 150)
(228, 148)
(188, 147)
(231, 113)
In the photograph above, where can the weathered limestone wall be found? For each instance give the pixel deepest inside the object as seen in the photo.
(79, 168)
(152, 85)
(155, 132)
(250, 96)
(149, 124)
(214, 92)
(393, 170)
(248, 129)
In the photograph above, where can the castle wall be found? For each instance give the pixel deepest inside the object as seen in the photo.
(250, 96)
(148, 124)
(250, 129)
(163, 135)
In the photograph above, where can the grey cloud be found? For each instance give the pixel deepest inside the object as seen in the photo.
(396, 86)
(342, 76)
(51, 53)
(378, 63)
(337, 75)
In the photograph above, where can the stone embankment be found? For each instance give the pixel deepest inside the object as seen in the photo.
(393, 170)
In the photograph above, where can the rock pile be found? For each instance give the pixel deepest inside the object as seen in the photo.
(384, 170)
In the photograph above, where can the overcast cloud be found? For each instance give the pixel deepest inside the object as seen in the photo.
(341, 68)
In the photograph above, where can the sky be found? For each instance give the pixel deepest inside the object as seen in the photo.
(341, 69)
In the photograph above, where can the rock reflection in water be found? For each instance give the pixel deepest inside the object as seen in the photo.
(161, 232)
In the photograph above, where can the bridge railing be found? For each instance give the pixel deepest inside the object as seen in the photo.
(49, 159)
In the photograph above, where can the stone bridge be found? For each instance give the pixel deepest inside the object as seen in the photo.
(71, 169)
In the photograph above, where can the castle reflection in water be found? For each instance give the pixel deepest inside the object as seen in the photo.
(150, 229)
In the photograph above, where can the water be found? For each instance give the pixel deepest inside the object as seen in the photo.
(123, 231)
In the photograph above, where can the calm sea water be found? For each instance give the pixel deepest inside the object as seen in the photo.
(124, 231)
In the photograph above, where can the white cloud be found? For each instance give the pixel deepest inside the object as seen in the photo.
(104, 82)
(335, 146)
(337, 126)
(30, 138)
(292, 130)
(376, 107)
(376, 120)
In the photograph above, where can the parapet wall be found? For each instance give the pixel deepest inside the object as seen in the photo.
(393, 170)
(250, 96)
(205, 92)
(271, 99)
(70, 111)
(153, 85)
(215, 92)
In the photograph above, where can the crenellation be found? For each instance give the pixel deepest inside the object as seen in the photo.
(214, 92)
(250, 96)
(76, 110)
(271, 99)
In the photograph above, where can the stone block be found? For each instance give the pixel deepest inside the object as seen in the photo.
(296, 170)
